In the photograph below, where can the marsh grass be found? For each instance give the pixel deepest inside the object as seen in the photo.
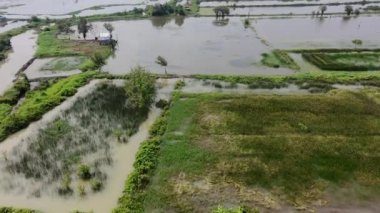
(294, 147)
(78, 144)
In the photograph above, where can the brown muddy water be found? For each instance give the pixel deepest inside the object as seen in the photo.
(191, 46)
(23, 47)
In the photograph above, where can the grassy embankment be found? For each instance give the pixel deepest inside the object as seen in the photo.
(258, 151)
(51, 46)
(345, 61)
(39, 101)
(279, 58)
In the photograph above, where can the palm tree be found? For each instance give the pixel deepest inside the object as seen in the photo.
(162, 61)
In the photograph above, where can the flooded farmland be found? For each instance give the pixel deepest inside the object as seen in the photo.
(335, 32)
(109, 156)
(191, 46)
(71, 138)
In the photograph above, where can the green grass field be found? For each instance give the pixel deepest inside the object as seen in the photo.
(50, 46)
(267, 152)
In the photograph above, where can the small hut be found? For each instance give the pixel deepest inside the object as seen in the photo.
(105, 39)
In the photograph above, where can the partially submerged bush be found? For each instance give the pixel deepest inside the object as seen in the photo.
(179, 84)
(96, 185)
(84, 172)
(162, 104)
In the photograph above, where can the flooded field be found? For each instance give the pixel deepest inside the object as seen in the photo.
(308, 10)
(335, 32)
(64, 7)
(23, 50)
(11, 25)
(274, 2)
(191, 46)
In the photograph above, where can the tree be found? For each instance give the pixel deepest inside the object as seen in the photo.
(140, 88)
(162, 61)
(348, 9)
(64, 26)
(357, 12)
(84, 27)
(109, 27)
(323, 9)
(357, 42)
(221, 11)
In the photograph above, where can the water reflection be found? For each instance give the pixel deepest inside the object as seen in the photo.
(160, 22)
(179, 20)
(220, 22)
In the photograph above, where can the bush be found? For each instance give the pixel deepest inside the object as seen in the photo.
(140, 88)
